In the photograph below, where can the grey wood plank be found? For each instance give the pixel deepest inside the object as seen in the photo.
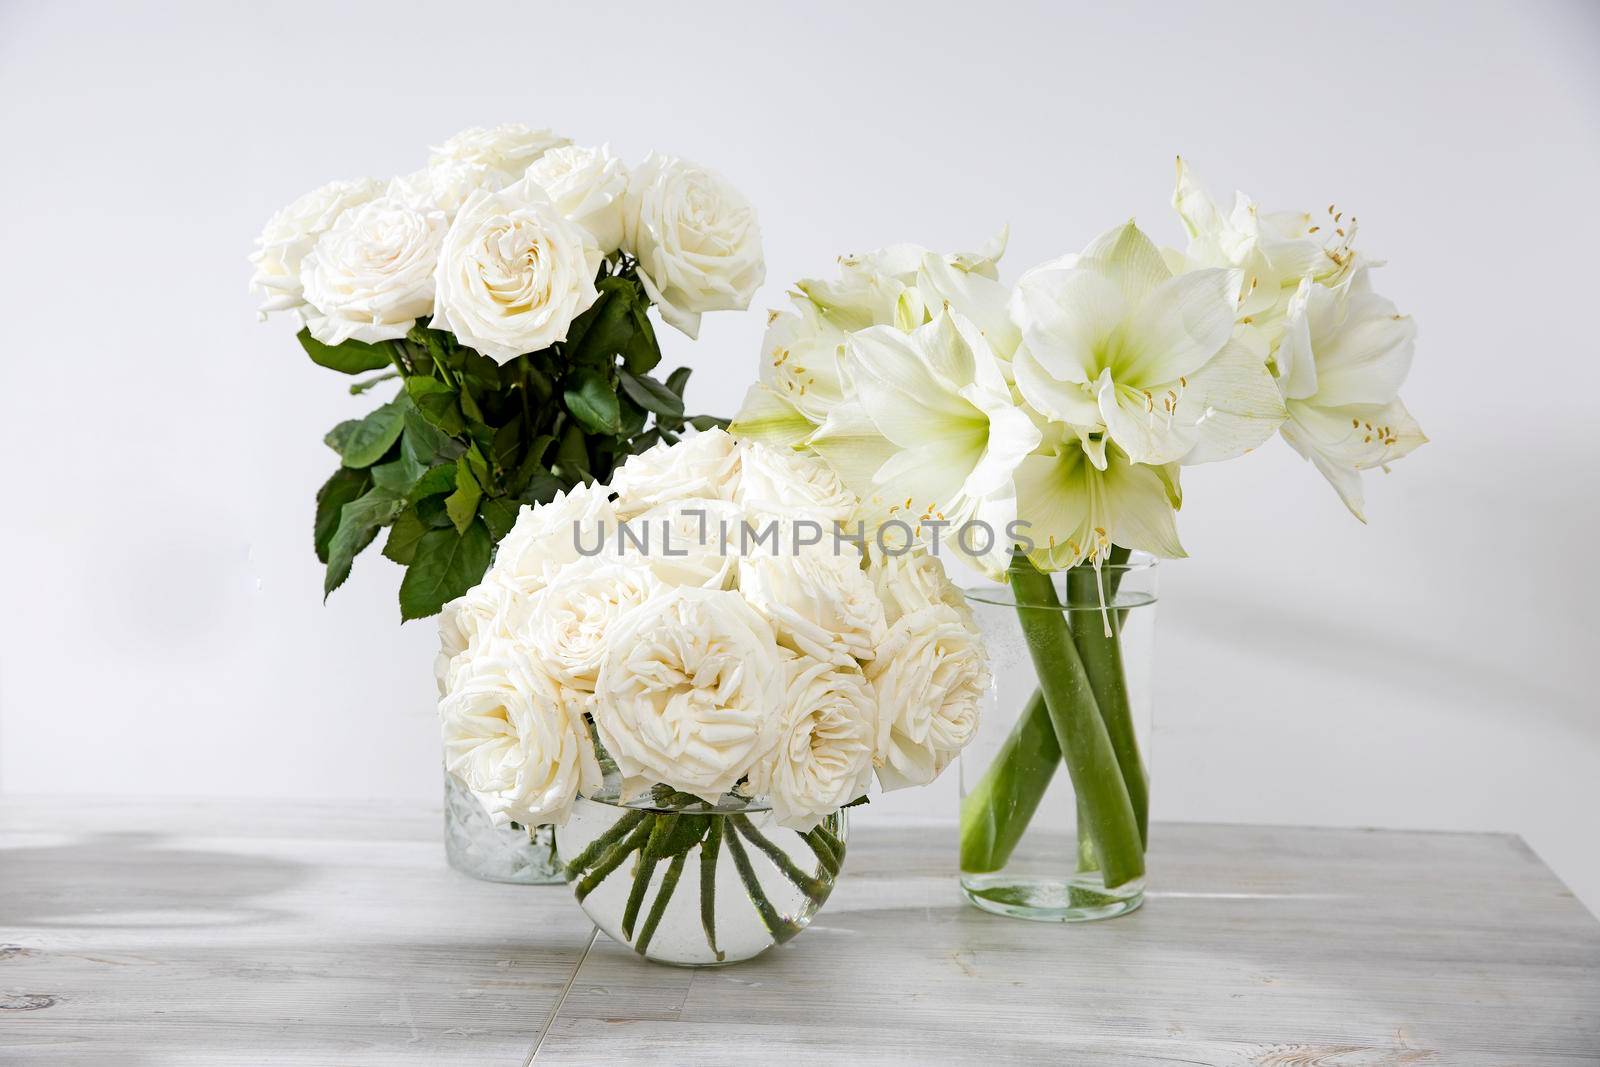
(247, 933)
(1259, 945)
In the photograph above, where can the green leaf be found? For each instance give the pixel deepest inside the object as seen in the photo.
(462, 504)
(507, 444)
(432, 512)
(357, 388)
(359, 522)
(572, 455)
(652, 395)
(398, 475)
(677, 380)
(642, 351)
(709, 422)
(437, 402)
(425, 442)
(336, 492)
(407, 530)
(500, 514)
(440, 479)
(351, 357)
(444, 565)
(362, 442)
(592, 402)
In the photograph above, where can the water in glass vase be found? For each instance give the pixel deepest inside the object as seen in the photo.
(1055, 788)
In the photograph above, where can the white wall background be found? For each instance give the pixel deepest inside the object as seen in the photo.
(163, 631)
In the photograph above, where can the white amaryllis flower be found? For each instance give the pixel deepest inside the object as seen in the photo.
(691, 691)
(549, 536)
(949, 428)
(1114, 341)
(491, 611)
(1344, 354)
(929, 678)
(513, 273)
(292, 232)
(568, 620)
(910, 581)
(514, 738)
(501, 153)
(370, 276)
(704, 466)
(696, 239)
(778, 483)
(826, 740)
(588, 186)
(819, 603)
(886, 287)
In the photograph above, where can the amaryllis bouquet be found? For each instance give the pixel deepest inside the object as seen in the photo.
(704, 634)
(506, 285)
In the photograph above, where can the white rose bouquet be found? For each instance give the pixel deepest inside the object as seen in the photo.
(703, 632)
(506, 285)
(1043, 428)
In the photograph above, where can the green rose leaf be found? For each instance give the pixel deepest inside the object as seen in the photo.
(407, 530)
(345, 485)
(572, 455)
(592, 402)
(652, 395)
(359, 522)
(677, 380)
(642, 352)
(425, 442)
(709, 422)
(437, 402)
(444, 564)
(462, 504)
(398, 475)
(362, 442)
(440, 479)
(500, 514)
(351, 357)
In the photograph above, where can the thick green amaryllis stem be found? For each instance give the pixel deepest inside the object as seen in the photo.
(1102, 661)
(997, 811)
(1080, 731)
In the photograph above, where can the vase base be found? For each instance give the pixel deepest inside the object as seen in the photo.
(1049, 900)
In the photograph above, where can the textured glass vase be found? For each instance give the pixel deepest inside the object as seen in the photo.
(683, 882)
(1055, 793)
(475, 845)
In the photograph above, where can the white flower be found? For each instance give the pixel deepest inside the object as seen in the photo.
(1114, 341)
(691, 541)
(513, 273)
(885, 287)
(514, 738)
(691, 691)
(548, 537)
(703, 466)
(490, 611)
(568, 620)
(370, 277)
(292, 232)
(911, 581)
(823, 758)
(502, 153)
(443, 188)
(819, 603)
(775, 482)
(587, 185)
(1344, 354)
(929, 678)
(696, 240)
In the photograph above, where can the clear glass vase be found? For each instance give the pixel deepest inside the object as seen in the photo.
(688, 883)
(475, 845)
(1055, 787)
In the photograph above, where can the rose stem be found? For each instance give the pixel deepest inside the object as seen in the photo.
(669, 882)
(769, 915)
(616, 833)
(612, 860)
(780, 859)
(649, 856)
(832, 840)
(708, 884)
(825, 856)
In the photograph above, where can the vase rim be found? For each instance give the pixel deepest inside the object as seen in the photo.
(1135, 580)
(727, 803)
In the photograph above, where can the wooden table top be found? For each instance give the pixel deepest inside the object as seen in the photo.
(161, 932)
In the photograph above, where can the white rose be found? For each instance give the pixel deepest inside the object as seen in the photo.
(774, 482)
(696, 240)
(443, 188)
(513, 273)
(514, 738)
(685, 542)
(587, 185)
(823, 759)
(819, 603)
(292, 232)
(691, 691)
(549, 536)
(569, 618)
(703, 467)
(914, 580)
(490, 611)
(370, 276)
(929, 677)
(502, 153)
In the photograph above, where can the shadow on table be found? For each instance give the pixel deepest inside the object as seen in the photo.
(135, 881)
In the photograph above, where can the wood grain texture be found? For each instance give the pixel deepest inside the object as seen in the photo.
(172, 933)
